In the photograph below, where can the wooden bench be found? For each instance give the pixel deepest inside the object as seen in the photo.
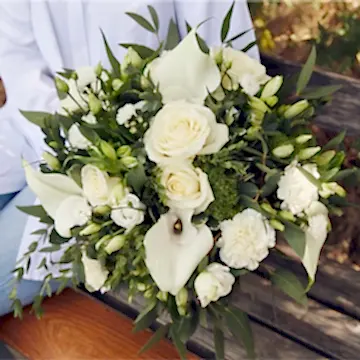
(329, 328)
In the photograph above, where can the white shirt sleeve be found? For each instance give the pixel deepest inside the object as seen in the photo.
(28, 81)
(214, 11)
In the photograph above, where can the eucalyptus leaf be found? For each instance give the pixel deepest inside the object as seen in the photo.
(219, 343)
(173, 36)
(202, 44)
(239, 325)
(306, 72)
(52, 248)
(249, 47)
(226, 23)
(142, 21)
(334, 142)
(36, 210)
(154, 17)
(90, 134)
(295, 238)
(290, 285)
(249, 189)
(146, 317)
(180, 346)
(56, 239)
(159, 334)
(320, 92)
(343, 174)
(271, 184)
(75, 173)
(112, 59)
(136, 178)
(37, 117)
(238, 36)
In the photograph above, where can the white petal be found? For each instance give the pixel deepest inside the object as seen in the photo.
(186, 73)
(51, 189)
(95, 275)
(219, 137)
(172, 258)
(73, 211)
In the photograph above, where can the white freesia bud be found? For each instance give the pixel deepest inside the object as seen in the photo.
(287, 215)
(124, 150)
(61, 85)
(272, 87)
(108, 150)
(102, 242)
(162, 296)
(76, 139)
(129, 161)
(308, 153)
(271, 101)
(186, 187)
(118, 193)
(230, 116)
(213, 283)
(181, 130)
(283, 151)
(95, 105)
(296, 109)
(132, 58)
(302, 139)
(181, 297)
(129, 212)
(268, 208)
(277, 225)
(51, 160)
(90, 229)
(144, 82)
(245, 240)
(258, 104)
(102, 210)
(115, 244)
(117, 84)
(332, 188)
(98, 69)
(325, 158)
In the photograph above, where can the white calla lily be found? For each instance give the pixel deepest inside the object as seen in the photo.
(173, 255)
(51, 189)
(186, 73)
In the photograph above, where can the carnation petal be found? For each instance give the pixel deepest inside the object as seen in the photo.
(186, 73)
(51, 189)
(172, 258)
(95, 274)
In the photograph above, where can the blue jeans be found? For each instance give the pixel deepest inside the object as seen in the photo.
(12, 224)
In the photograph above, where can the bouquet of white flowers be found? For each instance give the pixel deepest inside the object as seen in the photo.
(171, 174)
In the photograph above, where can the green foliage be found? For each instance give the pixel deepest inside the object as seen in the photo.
(173, 36)
(159, 334)
(306, 72)
(226, 23)
(295, 238)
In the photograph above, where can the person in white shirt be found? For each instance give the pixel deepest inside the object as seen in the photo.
(41, 37)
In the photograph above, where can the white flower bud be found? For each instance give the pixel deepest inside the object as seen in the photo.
(268, 208)
(144, 82)
(277, 225)
(129, 161)
(102, 210)
(283, 151)
(115, 244)
(61, 85)
(181, 297)
(95, 104)
(117, 84)
(124, 150)
(271, 101)
(132, 58)
(302, 139)
(287, 215)
(308, 153)
(108, 150)
(51, 160)
(296, 109)
(98, 69)
(258, 104)
(162, 296)
(272, 87)
(325, 158)
(332, 188)
(90, 229)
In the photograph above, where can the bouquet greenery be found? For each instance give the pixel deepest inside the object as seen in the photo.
(172, 172)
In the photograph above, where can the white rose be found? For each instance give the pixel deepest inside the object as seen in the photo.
(76, 139)
(213, 283)
(181, 130)
(245, 240)
(316, 234)
(129, 212)
(296, 191)
(128, 111)
(186, 187)
(97, 185)
(95, 274)
(243, 70)
(73, 211)
(89, 119)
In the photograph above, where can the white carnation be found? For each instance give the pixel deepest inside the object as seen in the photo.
(181, 130)
(128, 111)
(245, 240)
(129, 212)
(95, 274)
(76, 139)
(213, 283)
(186, 187)
(296, 191)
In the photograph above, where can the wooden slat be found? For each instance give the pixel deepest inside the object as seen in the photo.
(336, 285)
(344, 110)
(269, 345)
(323, 329)
(78, 327)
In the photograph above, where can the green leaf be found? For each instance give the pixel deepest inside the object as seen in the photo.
(143, 51)
(154, 17)
(173, 37)
(187, 325)
(55, 247)
(202, 44)
(75, 173)
(249, 47)
(226, 23)
(306, 72)
(180, 346)
(36, 210)
(237, 36)
(64, 121)
(271, 185)
(343, 174)
(290, 285)
(239, 325)
(56, 239)
(239, 272)
(219, 343)
(112, 59)
(36, 117)
(248, 202)
(90, 134)
(159, 334)
(320, 92)
(39, 232)
(295, 238)
(63, 284)
(146, 317)
(334, 142)
(142, 21)
(249, 189)
(136, 178)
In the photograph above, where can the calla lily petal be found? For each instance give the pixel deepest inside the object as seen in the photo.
(172, 257)
(51, 189)
(186, 73)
